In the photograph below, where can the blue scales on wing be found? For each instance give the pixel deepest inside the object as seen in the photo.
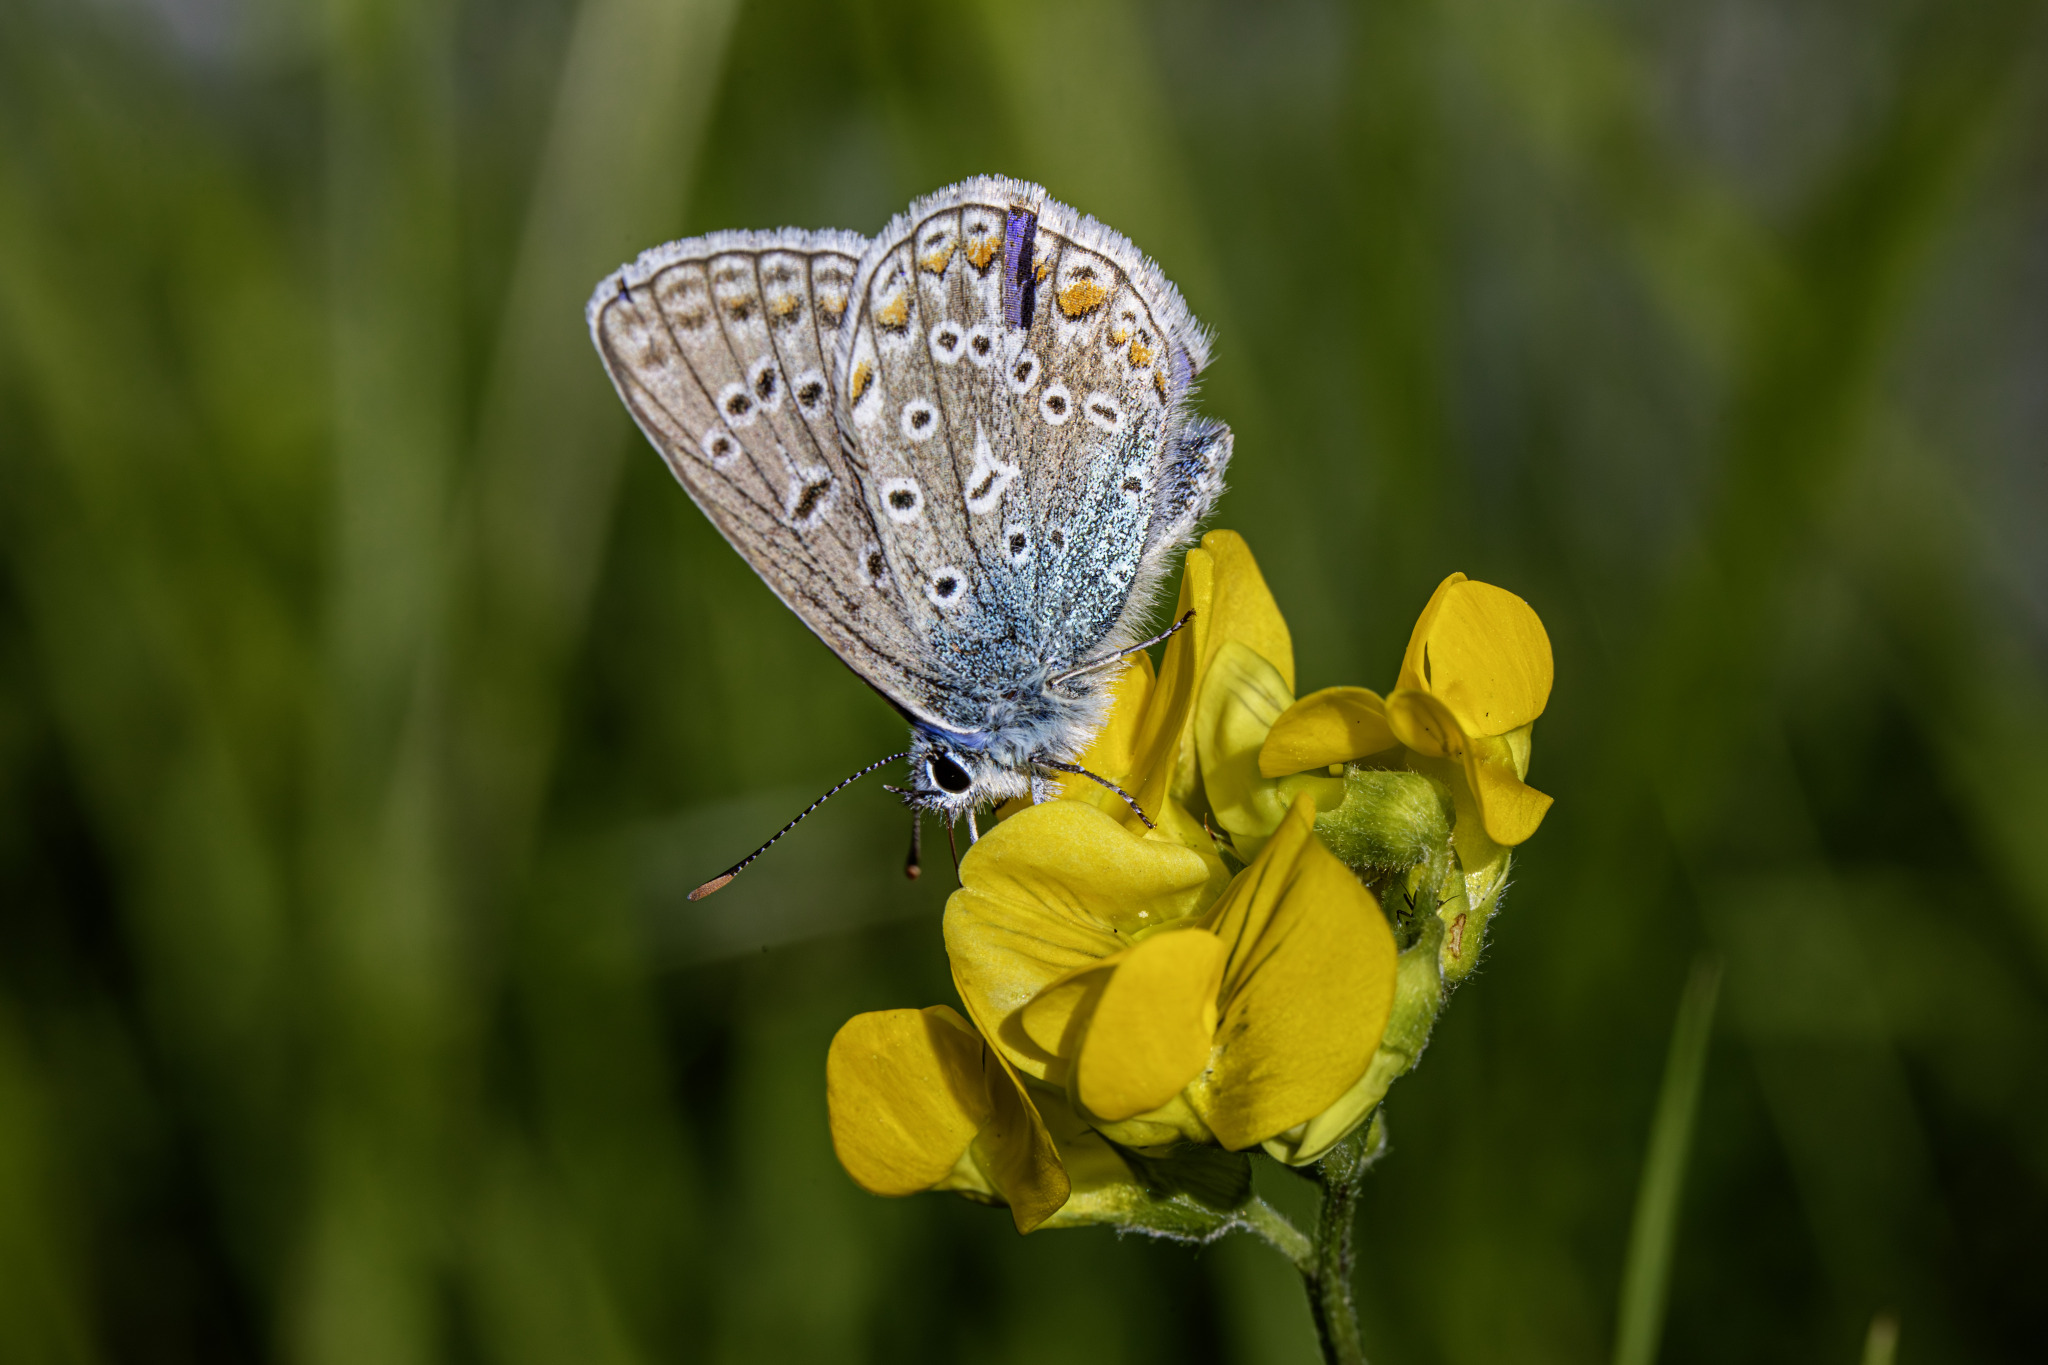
(1014, 381)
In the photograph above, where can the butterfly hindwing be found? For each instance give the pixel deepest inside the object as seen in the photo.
(722, 349)
(1017, 375)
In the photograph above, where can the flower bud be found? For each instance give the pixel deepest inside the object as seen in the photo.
(1388, 822)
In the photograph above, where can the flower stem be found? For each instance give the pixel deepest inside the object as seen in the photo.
(1329, 1279)
(1270, 1226)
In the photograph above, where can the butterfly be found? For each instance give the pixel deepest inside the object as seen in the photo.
(962, 452)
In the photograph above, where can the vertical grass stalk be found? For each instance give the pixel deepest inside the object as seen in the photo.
(1646, 1274)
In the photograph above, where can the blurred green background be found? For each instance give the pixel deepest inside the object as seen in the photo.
(369, 696)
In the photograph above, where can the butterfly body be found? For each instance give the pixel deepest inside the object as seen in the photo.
(960, 452)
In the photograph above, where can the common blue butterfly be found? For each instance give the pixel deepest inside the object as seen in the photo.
(961, 452)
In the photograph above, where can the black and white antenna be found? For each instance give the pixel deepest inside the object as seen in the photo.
(741, 866)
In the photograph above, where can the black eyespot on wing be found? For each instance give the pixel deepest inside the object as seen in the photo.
(1055, 404)
(1018, 541)
(766, 383)
(945, 585)
(903, 499)
(921, 418)
(981, 345)
(811, 394)
(947, 775)
(739, 405)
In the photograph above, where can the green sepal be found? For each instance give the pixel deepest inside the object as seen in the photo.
(1193, 1194)
(1389, 820)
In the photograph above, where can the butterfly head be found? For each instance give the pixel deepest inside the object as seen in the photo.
(952, 777)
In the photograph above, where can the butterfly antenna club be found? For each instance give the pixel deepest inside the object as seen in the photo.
(718, 882)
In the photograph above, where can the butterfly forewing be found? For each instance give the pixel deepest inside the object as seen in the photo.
(721, 348)
(1014, 379)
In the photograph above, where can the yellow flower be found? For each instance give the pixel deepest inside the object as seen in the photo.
(1129, 995)
(1476, 676)
(918, 1102)
(1077, 945)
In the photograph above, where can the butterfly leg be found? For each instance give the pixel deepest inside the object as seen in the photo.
(1076, 768)
(973, 833)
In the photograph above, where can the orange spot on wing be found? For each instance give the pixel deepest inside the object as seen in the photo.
(981, 251)
(935, 260)
(785, 304)
(1141, 354)
(895, 314)
(1159, 382)
(863, 373)
(1081, 297)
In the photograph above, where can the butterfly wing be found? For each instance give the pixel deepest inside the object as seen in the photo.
(1014, 378)
(721, 348)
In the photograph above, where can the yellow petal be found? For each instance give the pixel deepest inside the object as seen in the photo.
(1242, 695)
(1510, 808)
(1152, 1024)
(1177, 826)
(1113, 751)
(1335, 725)
(1056, 1019)
(906, 1097)
(1487, 655)
(1221, 584)
(1425, 724)
(1411, 661)
(1158, 763)
(1307, 988)
(1054, 888)
(1242, 607)
(1017, 1151)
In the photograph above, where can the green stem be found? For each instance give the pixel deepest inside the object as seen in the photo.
(1270, 1226)
(1340, 1173)
(1329, 1287)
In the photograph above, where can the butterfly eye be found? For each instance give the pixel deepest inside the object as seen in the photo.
(947, 775)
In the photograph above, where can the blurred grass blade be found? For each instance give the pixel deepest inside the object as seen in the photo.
(1881, 1345)
(1646, 1274)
